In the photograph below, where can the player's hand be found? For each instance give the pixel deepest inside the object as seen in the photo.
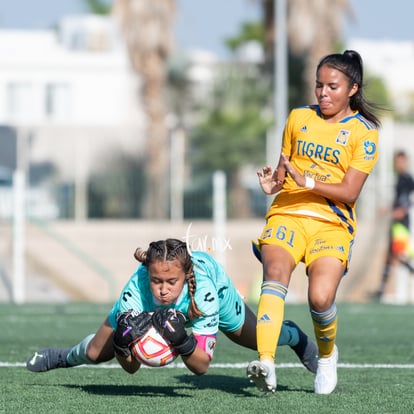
(170, 323)
(131, 326)
(399, 213)
(299, 179)
(269, 180)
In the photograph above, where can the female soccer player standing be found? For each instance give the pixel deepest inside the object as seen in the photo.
(327, 153)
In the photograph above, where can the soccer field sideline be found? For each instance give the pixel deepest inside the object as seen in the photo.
(237, 365)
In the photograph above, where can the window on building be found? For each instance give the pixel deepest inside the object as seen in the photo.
(19, 101)
(57, 101)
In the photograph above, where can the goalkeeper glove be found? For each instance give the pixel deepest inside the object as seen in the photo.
(171, 325)
(131, 326)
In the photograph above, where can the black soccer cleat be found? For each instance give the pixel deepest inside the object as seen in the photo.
(47, 359)
(306, 350)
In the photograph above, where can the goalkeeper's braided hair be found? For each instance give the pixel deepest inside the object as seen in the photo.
(168, 250)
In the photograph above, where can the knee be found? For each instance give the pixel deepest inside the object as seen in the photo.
(273, 271)
(320, 305)
(321, 301)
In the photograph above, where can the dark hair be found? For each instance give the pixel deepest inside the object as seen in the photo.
(168, 250)
(400, 153)
(350, 64)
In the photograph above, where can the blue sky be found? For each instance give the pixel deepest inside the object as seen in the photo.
(205, 23)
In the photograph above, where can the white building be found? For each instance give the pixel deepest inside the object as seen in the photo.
(69, 95)
(78, 76)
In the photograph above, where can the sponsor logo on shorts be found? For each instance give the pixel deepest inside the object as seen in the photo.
(210, 344)
(267, 234)
(322, 248)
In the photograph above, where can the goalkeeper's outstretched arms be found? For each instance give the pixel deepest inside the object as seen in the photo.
(171, 325)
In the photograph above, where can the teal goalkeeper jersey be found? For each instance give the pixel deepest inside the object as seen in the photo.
(217, 298)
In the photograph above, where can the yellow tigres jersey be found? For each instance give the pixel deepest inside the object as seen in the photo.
(324, 151)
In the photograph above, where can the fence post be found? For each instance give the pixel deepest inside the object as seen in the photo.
(18, 237)
(219, 215)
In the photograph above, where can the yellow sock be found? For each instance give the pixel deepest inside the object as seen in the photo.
(270, 316)
(325, 326)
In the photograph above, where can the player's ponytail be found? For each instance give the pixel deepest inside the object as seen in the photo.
(140, 255)
(172, 249)
(350, 64)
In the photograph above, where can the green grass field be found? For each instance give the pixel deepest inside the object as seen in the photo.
(376, 369)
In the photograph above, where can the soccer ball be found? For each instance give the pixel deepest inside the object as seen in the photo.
(153, 350)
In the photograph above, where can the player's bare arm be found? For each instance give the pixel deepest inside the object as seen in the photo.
(129, 363)
(198, 362)
(346, 192)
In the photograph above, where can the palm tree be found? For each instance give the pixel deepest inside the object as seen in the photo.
(314, 29)
(147, 29)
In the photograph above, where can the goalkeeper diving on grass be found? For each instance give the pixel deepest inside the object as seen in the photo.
(187, 291)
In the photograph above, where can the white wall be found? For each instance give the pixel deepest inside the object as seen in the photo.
(96, 87)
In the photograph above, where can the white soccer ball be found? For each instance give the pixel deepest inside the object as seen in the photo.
(153, 350)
